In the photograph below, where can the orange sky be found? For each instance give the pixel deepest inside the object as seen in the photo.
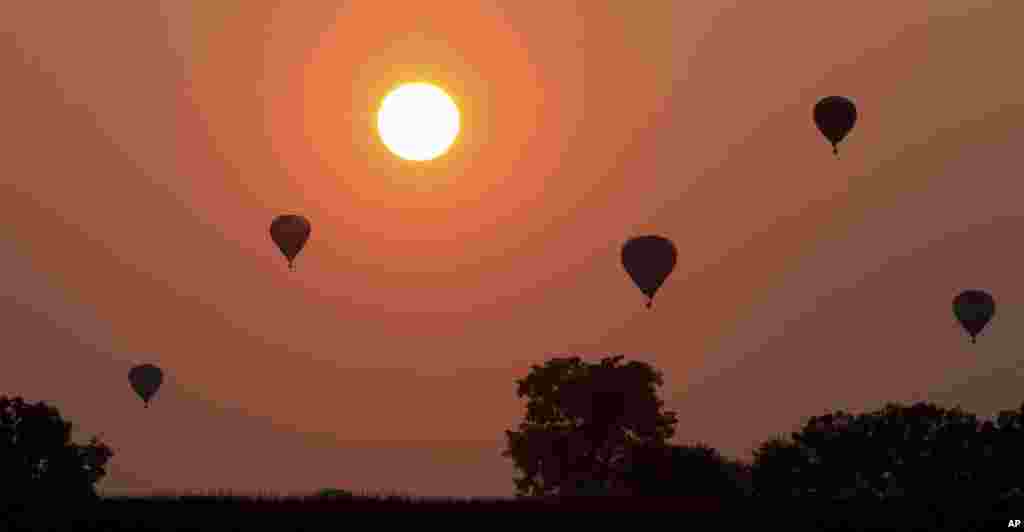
(148, 146)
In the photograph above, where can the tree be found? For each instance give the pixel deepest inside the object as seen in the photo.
(780, 468)
(38, 460)
(683, 470)
(918, 450)
(1002, 442)
(581, 418)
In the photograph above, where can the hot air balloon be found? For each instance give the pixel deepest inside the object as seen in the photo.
(835, 117)
(649, 260)
(146, 380)
(974, 309)
(290, 232)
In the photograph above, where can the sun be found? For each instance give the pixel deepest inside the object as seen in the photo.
(418, 121)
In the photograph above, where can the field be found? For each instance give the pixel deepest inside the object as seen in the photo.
(226, 512)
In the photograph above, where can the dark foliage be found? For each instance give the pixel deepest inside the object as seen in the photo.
(920, 451)
(684, 470)
(39, 462)
(581, 419)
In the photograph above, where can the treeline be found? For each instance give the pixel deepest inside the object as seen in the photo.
(920, 451)
(600, 428)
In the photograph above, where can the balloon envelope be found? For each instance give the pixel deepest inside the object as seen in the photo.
(649, 260)
(290, 232)
(974, 309)
(146, 380)
(835, 117)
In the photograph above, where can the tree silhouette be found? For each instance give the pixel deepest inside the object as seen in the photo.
(38, 461)
(780, 468)
(581, 418)
(921, 450)
(667, 470)
(1002, 443)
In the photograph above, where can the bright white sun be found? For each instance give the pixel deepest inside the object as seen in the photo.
(418, 121)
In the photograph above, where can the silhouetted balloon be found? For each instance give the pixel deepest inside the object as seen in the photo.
(290, 232)
(835, 117)
(146, 380)
(649, 260)
(974, 309)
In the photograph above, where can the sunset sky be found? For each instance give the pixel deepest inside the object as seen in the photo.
(148, 145)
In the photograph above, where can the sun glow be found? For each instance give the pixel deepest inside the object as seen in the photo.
(418, 121)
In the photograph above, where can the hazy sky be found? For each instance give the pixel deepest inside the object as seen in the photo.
(148, 145)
